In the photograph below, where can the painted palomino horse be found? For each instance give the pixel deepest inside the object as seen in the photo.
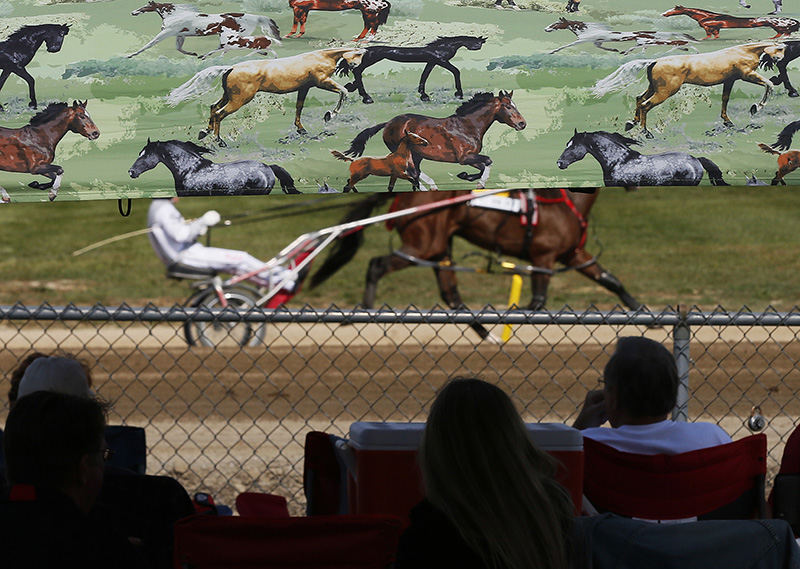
(195, 175)
(623, 166)
(398, 164)
(438, 52)
(712, 22)
(18, 50)
(374, 12)
(233, 29)
(667, 74)
(32, 148)
(598, 34)
(241, 82)
(457, 138)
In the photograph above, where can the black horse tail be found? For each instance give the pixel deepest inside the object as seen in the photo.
(360, 141)
(714, 173)
(342, 68)
(346, 246)
(785, 136)
(286, 180)
(383, 15)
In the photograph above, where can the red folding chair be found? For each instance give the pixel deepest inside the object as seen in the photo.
(255, 504)
(722, 482)
(320, 542)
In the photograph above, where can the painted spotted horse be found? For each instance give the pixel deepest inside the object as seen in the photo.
(234, 29)
(374, 13)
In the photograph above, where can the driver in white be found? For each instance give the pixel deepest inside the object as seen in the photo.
(175, 241)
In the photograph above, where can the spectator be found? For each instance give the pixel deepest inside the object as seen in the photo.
(491, 500)
(19, 371)
(175, 241)
(640, 390)
(55, 454)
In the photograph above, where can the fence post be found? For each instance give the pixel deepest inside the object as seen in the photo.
(680, 350)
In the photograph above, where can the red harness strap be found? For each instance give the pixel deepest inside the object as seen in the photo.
(571, 205)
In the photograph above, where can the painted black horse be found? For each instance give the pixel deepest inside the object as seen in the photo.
(791, 53)
(18, 50)
(196, 175)
(438, 52)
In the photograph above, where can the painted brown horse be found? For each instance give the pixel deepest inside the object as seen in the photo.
(788, 162)
(374, 13)
(457, 138)
(559, 237)
(713, 22)
(32, 147)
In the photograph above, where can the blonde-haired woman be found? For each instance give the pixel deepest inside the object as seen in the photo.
(491, 500)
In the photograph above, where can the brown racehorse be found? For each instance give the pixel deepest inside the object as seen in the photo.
(666, 75)
(457, 138)
(787, 162)
(712, 22)
(398, 164)
(559, 236)
(32, 147)
(374, 13)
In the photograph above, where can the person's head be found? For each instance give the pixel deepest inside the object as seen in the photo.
(481, 469)
(641, 382)
(62, 373)
(55, 441)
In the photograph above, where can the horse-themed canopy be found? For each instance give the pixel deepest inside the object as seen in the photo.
(110, 99)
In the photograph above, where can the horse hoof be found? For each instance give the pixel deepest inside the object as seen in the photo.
(202, 134)
(424, 97)
(302, 131)
(51, 195)
(648, 134)
(791, 94)
(753, 109)
(629, 125)
(367, 100)
(221, 143)
(459, 95)
(352, 87)
(31, 105)
(327, 116)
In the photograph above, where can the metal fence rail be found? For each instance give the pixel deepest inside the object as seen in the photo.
(228, 418)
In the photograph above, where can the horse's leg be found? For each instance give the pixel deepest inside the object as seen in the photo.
(54, 173)
(727, 87)
(179, 46)
(163, 34)
(661, 94)
(331, 85)
(456, 74)
(5, 75)
(303, 16)
(228, 105)
(301, 99)
(392, 180)
(28, 78)
(781, 77)
(448, 290)
(757, 79)
(598, 274)
(637, 113)
(358, 84)
(599, 43)
(576, 42)
(482, 163)
(378, 268)
(424, 78)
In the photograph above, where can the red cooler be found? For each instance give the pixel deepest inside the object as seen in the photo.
(385, 479)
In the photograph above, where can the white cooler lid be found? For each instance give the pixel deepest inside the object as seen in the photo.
(407, 436)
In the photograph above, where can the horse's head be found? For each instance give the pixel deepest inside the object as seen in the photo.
(158, 8)
(55, 37)
(80, 121)
(507, 112)
(771, 55)
(676, 11)
(561, 24)
(574, 151)
(474, 43)
(148, 159)
(414, 139)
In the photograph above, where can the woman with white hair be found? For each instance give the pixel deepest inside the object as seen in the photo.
(491, 499)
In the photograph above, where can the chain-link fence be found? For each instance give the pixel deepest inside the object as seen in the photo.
(228, 418)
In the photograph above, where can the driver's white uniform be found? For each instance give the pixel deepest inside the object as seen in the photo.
(175, 241)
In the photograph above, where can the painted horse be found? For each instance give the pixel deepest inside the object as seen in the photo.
(712, 22)
(791, 53)
(559, 237)
(457, 138)
(241, 82)
(667, 74)
(598, 34)
(438, 52)
(785, 136)
(623, 166)
(398, 164)
(374, 13)
(182, 21)
(788, 162)
(196, 175)
(32, 148)
(18, 50)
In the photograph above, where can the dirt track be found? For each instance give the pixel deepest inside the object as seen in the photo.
(229, 420)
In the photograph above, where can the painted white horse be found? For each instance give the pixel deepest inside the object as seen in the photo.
(777, 3)
(592, 32)
(234, 29)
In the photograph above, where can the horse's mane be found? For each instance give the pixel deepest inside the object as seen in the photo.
(26, 30)
(50, 112)
(447, 40)
(190, 147)
(477, 101)
(616, 137)
(342, 68)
